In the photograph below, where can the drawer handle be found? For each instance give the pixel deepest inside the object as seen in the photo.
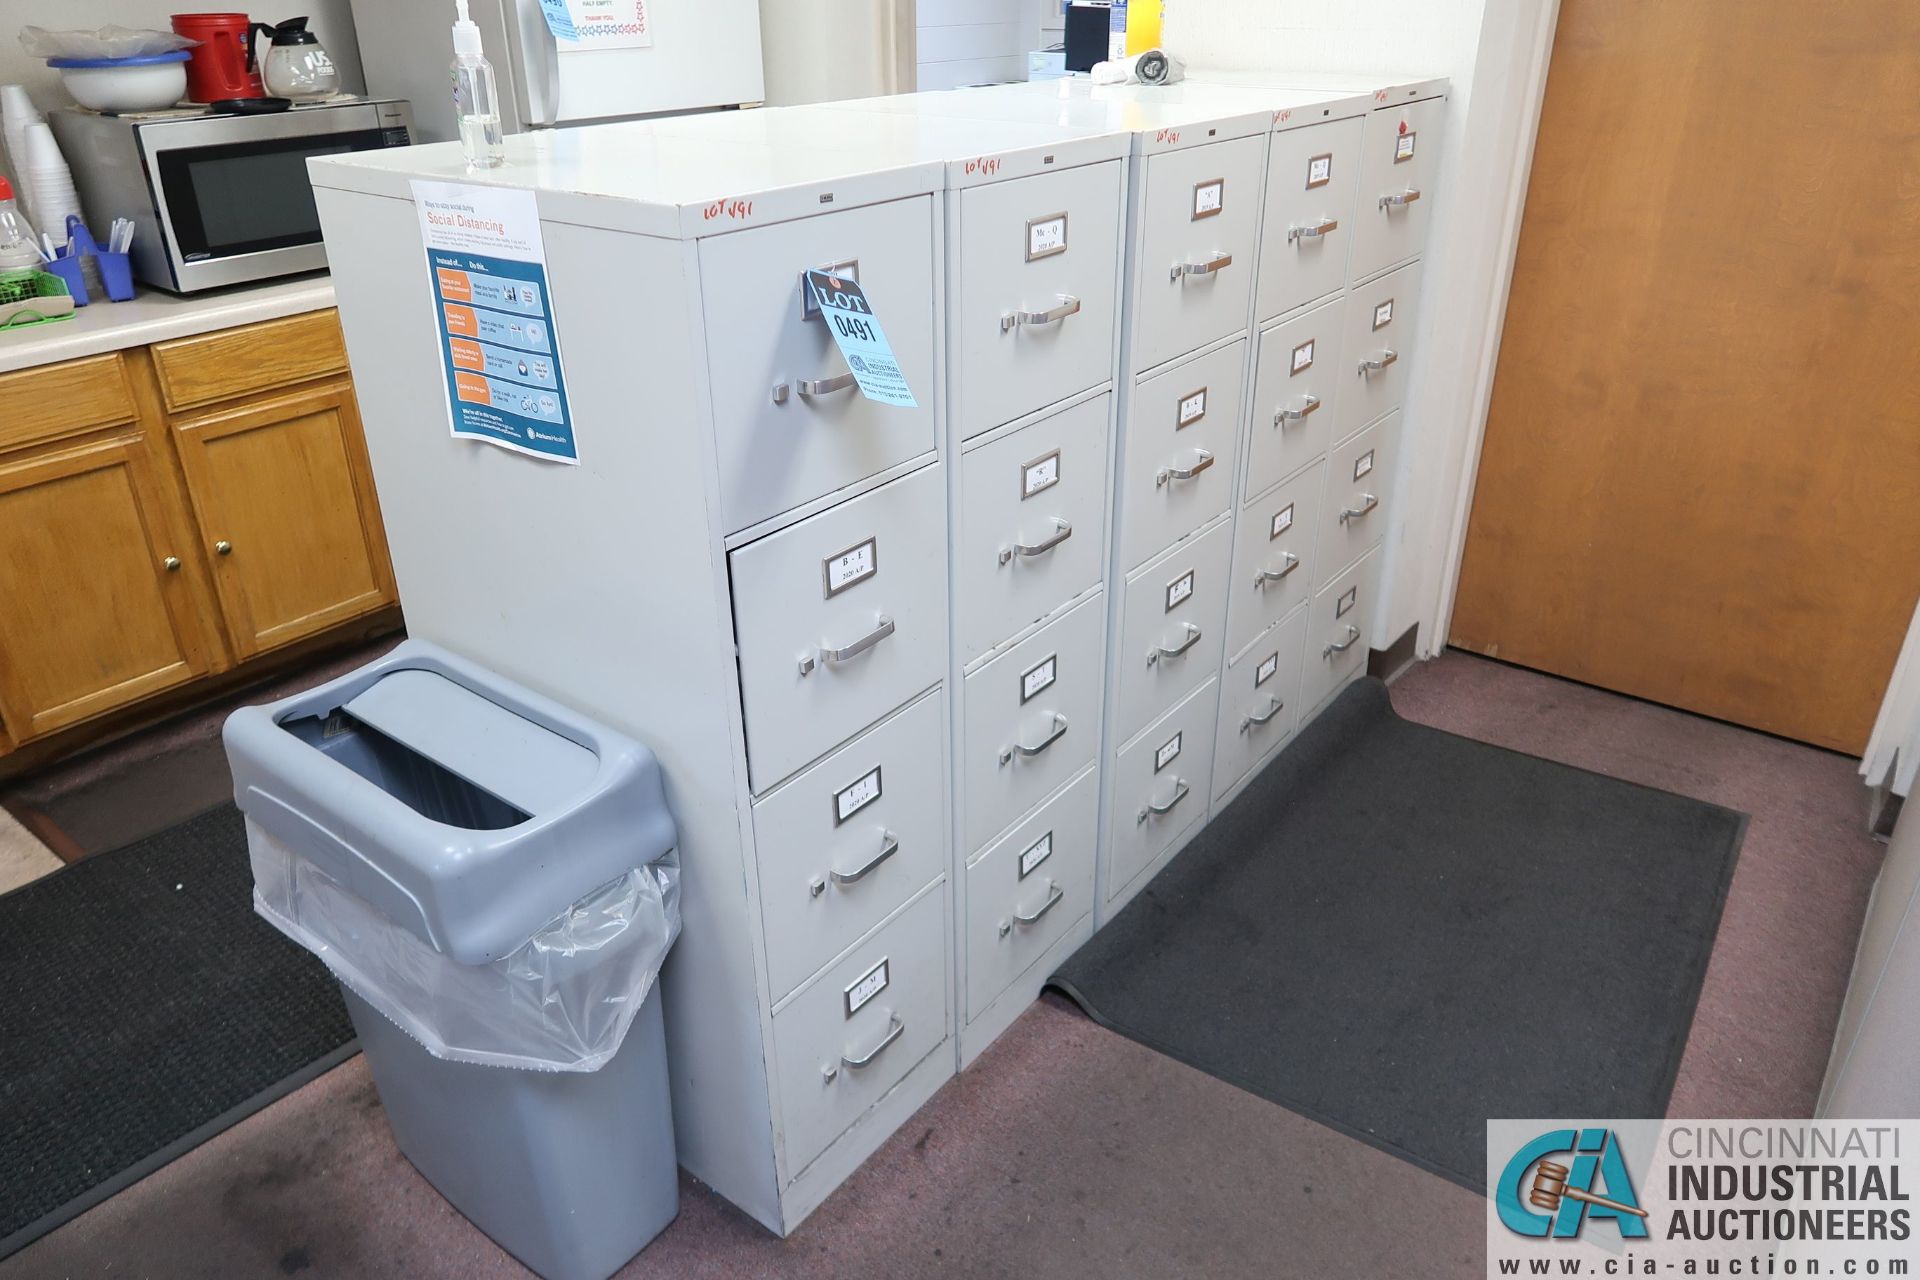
(853, 650)
(1180, 789)
(1207, 268)
(1274, 708)
(1400, 199)
(889, 845)
(822, 386)
(1355, 513)
(1069, 306)
(1062, 530)
(1296, 415)
(1374, 364)
(1263, 576)
(1201, 463)
(1353, 635)
(895, 1027)
(171, 564)
(1059, 732)
(1313, 232)
(1160, 651)
(1053, 900)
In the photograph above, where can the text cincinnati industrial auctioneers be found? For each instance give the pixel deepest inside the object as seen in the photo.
(1728, 1183)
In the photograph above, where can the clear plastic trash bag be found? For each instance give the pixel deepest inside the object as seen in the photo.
(562, 1001)
(105, 42)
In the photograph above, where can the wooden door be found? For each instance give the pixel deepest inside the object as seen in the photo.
(94, 610)
(1701, 477)
(285, 504)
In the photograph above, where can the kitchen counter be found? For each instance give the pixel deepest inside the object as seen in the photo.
(154, 316)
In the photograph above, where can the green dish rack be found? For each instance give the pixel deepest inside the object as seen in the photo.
(36, 297)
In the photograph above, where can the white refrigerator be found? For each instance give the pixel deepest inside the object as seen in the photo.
(625, 58)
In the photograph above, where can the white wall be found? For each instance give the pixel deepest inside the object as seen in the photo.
(1495, 53)
(962, 42)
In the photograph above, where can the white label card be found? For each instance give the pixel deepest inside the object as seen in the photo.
(1403, 147)
(856, 795)
(1041, 473)
(1346, 602)
(1192, 408)
(1319, 171)
(1046, 236)
(1036, 853)
(1383, 314)
(1282, 521)
(1179, 590)
(1039, 676)
(854, 565)
(1302, 358)
(1264, 672)
(1209, 197)
(1165, 755)
(869, 985)
(1363, 464)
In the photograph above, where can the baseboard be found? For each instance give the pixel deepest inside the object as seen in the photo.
(1392, 662)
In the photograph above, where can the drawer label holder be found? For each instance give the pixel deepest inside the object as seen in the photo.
(851, 567)
(1403, 147)
(1035, 854)
(856, 795)
(1264, 672)
(1383, 314)
(866, 987)
(1282, 521)
(863, 343)
(1346, 602)
(1169, 752)
(1302, 358)
(1192, 408)
(1039, 677)
(1319, 170)
(1046, 236)
(1209, 198)
(1040, 475)
(1179, 591)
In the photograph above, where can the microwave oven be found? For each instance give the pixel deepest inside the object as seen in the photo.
(217, 199)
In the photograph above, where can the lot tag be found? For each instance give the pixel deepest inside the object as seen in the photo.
(856, 330)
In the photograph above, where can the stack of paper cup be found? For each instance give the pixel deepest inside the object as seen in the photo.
(16, 113)
(49, 183)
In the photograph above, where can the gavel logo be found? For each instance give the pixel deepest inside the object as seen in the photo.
(1550, 1187)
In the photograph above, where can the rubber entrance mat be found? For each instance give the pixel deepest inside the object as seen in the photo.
(1401, 933)
(146, 1008)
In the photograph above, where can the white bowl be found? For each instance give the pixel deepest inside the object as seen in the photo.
(148, 86)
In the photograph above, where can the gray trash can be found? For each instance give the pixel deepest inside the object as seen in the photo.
(493, 880)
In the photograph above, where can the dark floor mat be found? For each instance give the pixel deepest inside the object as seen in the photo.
(1401, 933)
(146, 1007)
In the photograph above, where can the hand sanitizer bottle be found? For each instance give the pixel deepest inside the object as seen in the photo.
(476, 100)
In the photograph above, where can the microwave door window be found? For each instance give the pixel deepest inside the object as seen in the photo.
(246, 197)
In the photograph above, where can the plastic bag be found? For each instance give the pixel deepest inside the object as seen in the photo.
(106, 42)
(561, 1002)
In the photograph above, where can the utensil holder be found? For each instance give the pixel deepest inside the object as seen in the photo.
(116, 275)
(68, 269)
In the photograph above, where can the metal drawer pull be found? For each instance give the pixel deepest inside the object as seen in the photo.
(1355, 513)
(889, 845)
(1053, 900)
(1069, 306)
(1400, 199)
(1160, 651)
(1200, 464)
(1263, 576)
(1274, 708)
(894, 1029)
(1180, 790)
(1059, 732)
(853, 650)
(1062, 531)
(1353, 634)
(1374, 364)
(821, 386)
(171, 564)
(1296, 415)
(1206, 268)
(1315, 231)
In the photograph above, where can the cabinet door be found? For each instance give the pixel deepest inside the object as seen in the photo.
(284, 500)
(94, 612)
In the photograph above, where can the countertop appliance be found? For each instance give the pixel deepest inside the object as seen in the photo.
(219, 199)
(668, 56)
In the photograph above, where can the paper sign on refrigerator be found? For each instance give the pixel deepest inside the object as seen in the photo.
(498, 345)
(599, 24)
(844, 307)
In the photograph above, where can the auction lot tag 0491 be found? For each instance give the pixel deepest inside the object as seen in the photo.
(856, 330)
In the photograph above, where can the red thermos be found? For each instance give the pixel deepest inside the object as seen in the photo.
(221, 65)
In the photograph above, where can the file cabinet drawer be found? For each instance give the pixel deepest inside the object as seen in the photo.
(1033, 523)
(1177, 470)
(1311, 177)
(1338, 627)
(1032, 720)
(1170, 626)
(1401, 156)
(839, 619)
(1378, 349)
(1161, 782)
(1035, 285)
(1028, 889)
(843, 845)
(857, 1031)
(1296, 394)
(789, 423)
(1359, 487)
(1195, 277)
(1274, 560)
(1259, 702)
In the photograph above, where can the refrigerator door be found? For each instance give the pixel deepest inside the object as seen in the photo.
(704, 53)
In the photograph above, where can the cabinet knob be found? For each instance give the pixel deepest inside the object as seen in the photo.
(172, 564)
(224, 547)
